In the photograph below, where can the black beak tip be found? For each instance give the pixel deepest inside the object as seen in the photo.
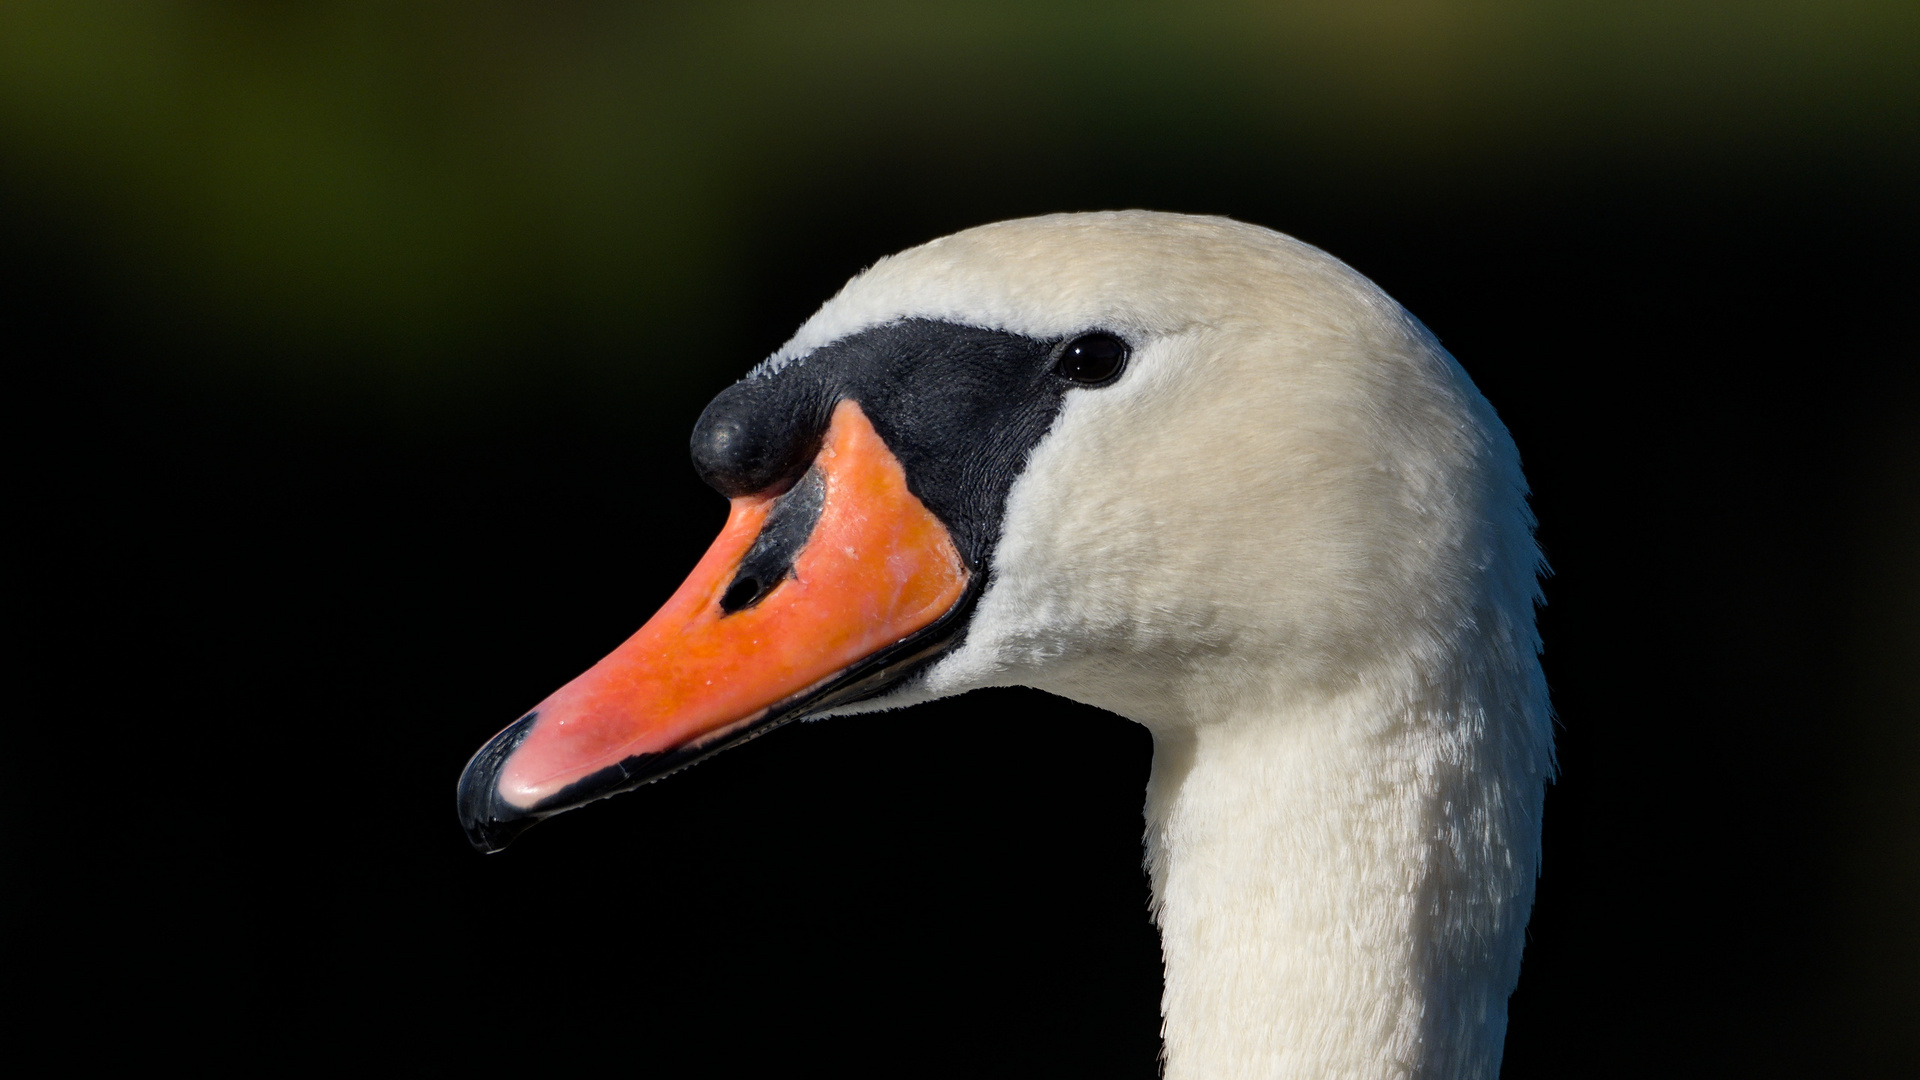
(491, 835)
(491, 823)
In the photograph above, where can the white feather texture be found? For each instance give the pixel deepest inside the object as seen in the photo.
(1292, 540)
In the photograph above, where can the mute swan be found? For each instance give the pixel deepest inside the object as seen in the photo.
(1188, 470)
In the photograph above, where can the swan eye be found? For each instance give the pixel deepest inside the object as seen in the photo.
(1091, 358)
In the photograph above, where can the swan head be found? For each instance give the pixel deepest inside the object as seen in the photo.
(1182, 468)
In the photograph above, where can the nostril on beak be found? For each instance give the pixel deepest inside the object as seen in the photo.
(785, 533)
(741, 594)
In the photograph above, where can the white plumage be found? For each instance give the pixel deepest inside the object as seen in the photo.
(1293, 542)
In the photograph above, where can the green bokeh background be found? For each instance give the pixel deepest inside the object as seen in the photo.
(404, 195)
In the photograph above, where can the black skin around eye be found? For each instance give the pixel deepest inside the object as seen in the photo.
(1091, 359)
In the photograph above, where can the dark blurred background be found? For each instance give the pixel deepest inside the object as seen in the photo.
(354, 348)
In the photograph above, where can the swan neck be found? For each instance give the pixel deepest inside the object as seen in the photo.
(1341, 890)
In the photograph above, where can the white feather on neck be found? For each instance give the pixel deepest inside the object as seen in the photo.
(1342, 885)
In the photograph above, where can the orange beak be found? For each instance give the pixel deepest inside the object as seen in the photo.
(734, 654)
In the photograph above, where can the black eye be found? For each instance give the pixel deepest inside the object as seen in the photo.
(1091, 358)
